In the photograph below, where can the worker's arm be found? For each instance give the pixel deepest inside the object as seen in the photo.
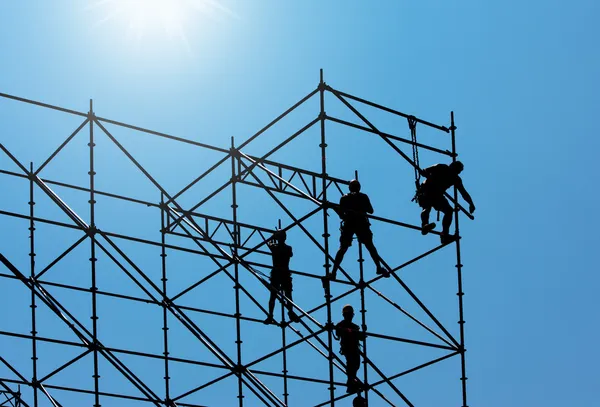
(336, 208)
(368, 206)
(427, 171)
(463, 192)
(271, 243)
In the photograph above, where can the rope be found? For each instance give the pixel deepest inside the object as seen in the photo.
(412, 125)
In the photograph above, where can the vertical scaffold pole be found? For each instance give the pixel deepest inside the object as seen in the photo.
(363, 309)
(460, 293)
(363, 312)
(92, 235)
(33, 305)
(164, 279)
(327, 283)
(236, 243)
(284, 353)
(283, 344)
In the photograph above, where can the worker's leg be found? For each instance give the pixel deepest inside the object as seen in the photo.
(345, 243)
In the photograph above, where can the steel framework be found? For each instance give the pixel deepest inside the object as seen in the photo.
(237, 250)
(10, 397)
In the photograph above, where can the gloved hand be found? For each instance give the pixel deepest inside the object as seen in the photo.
(471, 208)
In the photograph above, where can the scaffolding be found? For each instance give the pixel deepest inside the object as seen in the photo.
(237, 251)
(10, 397)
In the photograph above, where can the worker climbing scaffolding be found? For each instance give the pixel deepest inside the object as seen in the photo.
(440, 177)
(281, 277)
(349, 335)
(352, 210)
(430, 193)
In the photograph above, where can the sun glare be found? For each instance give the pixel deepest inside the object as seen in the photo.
(147, 15)
(157, 18)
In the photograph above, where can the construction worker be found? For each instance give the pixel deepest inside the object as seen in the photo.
(440, 177)
(349, 335)
(281, 277)
(352, 210)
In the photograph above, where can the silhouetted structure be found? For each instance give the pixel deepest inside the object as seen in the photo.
(353, 210)
(440, 177)
(225, 242)
(10, 398)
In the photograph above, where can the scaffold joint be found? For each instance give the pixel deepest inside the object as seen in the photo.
(92, 230)
(238, 369)
(234, 152)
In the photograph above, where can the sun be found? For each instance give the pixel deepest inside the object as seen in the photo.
(147, 15)
(156, 18)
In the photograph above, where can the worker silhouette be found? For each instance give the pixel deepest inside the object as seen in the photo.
(281, 277)
(349, 335)
(440, 177)
(352, 210)
(359, 401)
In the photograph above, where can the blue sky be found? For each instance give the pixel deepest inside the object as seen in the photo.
(521, 77)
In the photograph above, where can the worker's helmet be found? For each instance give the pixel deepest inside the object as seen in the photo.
(281, 235)
(354, 185)
(359, 401)
(347, 309)
(457, 166)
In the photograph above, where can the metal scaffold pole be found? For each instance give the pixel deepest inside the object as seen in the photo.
(326, 283)
(236, 242)
(92, 235)
(363, 315)
(34, 357)
(460, 293)
(164, 279)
